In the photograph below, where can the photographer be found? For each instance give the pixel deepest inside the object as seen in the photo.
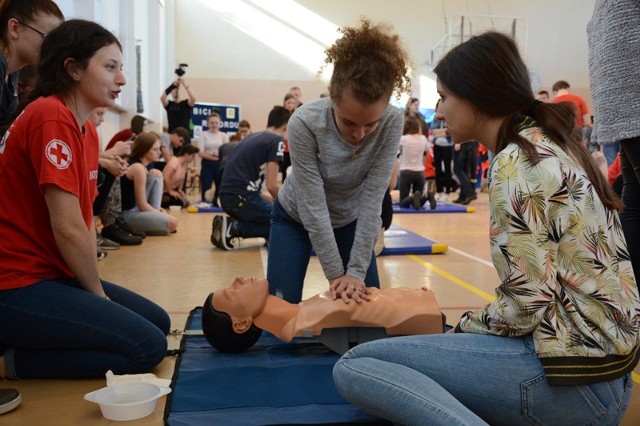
(178, 112)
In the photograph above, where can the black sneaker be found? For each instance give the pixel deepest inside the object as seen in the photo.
(433, 203)
(216, 232)
(469, 199)
(9, 399)
(417, 200)
(227, 224)
(101, 254)
(106, 244)
(122, 224)
(114, 233)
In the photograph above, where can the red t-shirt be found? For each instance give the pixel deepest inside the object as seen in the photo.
(44, 145)
(122, 135)
(581, 106)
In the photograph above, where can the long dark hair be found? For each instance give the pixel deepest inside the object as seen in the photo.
(75, 39)
(487, 71)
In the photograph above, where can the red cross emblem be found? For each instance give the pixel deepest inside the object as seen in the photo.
(58, 153)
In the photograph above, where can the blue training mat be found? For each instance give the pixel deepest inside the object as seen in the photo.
(212, 209)
(398, 240)
(440, 208)
(272, 383)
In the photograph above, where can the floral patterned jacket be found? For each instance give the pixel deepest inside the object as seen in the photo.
(564, 266)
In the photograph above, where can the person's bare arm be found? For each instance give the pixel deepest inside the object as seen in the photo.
(76, 242)
(273, 167)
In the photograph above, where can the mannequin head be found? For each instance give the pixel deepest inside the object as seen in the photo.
(218, 329)
(227, 317)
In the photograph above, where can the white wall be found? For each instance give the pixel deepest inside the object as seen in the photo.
(228, 54)
(249, 52)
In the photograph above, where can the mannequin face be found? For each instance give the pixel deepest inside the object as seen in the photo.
(243, 300)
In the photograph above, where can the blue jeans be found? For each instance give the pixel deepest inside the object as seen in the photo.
(56, 329)
(470, 379)
(610, 151)
(290, 251)
(252, 214)
(630, 216)
(208, 171)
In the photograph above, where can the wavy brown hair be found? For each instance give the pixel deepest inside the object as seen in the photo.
(143, 144)
(370, 60)
(487, 71)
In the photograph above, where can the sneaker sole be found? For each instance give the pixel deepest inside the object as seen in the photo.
(216, 231)
(226, 238)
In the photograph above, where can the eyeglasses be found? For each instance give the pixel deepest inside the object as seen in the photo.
(40, 33)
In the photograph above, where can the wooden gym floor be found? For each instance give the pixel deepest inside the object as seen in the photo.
(180, 270)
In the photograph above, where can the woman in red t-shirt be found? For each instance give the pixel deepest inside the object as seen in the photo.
(58, 319)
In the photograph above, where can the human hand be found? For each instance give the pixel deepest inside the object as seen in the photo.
(121, 148)
(114, 165)
(347, 288)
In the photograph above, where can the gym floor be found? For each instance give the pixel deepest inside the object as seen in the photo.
(179, 271)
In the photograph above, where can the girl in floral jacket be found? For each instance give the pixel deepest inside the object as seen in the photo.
(560, 340)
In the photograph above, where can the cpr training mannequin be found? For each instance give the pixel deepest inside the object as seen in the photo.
(233, 317)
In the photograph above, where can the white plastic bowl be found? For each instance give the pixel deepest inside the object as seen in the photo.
(127, 401)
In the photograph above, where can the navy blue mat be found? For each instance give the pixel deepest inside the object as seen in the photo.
(272, 383)
(398, 240)
(440, 208)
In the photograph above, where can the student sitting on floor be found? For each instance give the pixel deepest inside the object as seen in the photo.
(173, 177)
(141, 188)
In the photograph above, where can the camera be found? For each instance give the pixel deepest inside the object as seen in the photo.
(181, 70)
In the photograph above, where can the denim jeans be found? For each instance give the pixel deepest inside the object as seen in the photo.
(208, 171)
(630, 216)
(290, 251)
(610, 151)
(470, 379)
(252, 214)
(56, 329)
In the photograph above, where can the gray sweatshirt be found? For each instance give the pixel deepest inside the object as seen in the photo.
(329, 189)
(614, 69)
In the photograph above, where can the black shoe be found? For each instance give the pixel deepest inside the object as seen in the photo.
(432, 200)
(221, 232)
(417, 200)
(122, 224)
(114, 233)
(458, 200)
(469, 199)
(9, 399)
(216, 231)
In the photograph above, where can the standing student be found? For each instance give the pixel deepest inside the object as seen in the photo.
(178, 111)
(209, 143)
(342, 152)
(558, 344)
(290, 103)
(613, 36)
(24, 24)
(58, 318)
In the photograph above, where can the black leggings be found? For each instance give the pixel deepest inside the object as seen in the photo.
(630, 216)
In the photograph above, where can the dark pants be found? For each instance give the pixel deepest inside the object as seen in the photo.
(252, 214)
(208, 171)
(630, 216)
(442, 157)
(460, 168)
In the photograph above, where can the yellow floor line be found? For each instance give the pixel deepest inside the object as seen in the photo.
(453, 278)
(475, 290)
